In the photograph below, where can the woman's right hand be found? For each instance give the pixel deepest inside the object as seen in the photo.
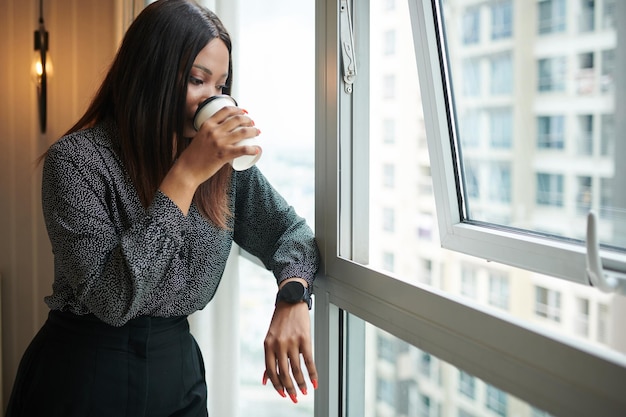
(214, 145)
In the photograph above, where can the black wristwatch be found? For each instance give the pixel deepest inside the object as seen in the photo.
(294, 292)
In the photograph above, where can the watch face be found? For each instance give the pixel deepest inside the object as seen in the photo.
(292, 292)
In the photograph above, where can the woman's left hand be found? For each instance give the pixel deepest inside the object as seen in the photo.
(288, 337)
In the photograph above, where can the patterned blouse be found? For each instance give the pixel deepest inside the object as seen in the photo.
(118, 260)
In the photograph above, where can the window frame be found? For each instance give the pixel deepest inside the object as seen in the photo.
(524, 360)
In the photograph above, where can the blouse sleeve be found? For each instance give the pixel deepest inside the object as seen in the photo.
(111, 272)
(269, 228)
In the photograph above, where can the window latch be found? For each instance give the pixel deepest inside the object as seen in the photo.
(347, 48)
(605, 280)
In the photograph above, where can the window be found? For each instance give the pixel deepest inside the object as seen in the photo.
(587, 15)
(550, 132)
(389, 175)
(499, 290)
(501, 128)
(389, 131)
(585, 135)
(467, 385)
(390, 42)
(471, 26)
(550, 189)
(501, 74)
(501, 20)
(532, 236)
(551, 74)
(496, 401)
(608, 67)
(548, 303)
(552, 16)
(471, 77)
(582, 317)
(389, 219)
(584, 194)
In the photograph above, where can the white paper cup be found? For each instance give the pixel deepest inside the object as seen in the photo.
(207, 109)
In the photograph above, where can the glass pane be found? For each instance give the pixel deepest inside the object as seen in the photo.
(545, 151)
(501, 183)
(288, 124)
(403, 380)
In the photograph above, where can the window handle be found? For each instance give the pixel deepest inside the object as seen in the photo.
(604, 280)
(347, 48)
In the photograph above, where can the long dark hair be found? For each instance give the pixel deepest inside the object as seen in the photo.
(145, 92)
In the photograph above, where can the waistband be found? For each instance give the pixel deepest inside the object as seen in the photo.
(141, 331)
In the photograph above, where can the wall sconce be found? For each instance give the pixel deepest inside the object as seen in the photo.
(41, 68)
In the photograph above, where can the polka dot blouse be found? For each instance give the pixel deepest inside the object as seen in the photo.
(118, 260)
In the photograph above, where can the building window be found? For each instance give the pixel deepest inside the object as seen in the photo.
(389, 175)
(581, 324)
(552, 16)
(386, 350)
(550, 190)
(551, 74)
(501, 128)
(389, 219)
(586, 20)
(604, 316)
(389, 131)
(389, 261)
(607, 70)
(471, 77)
(550, 132)
(471, 26)
(500, 182)
(585, 135)
(467, 385)
(472, 183)
(501, 20)
(469, 131)
(607, 134)
(583, 194)
(389, 42)
(501, 74)
(548, 303)
(468, 281)
(385, 391)
(389, 86)
(496, 401)
(499, 290)
(608, 14)
(586, 76)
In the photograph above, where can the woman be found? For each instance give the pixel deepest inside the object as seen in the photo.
(141, 210)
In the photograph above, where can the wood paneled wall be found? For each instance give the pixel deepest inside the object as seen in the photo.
(84, 36)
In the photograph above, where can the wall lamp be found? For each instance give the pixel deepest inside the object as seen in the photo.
(41, 68)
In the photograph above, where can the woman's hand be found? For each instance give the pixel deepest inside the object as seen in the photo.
(288, 337)
(213, 146)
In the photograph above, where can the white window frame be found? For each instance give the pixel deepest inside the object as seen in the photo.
(525, 360)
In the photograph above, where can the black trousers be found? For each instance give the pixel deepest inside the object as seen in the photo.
(80, 366)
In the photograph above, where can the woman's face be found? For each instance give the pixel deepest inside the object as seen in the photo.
(207, 78)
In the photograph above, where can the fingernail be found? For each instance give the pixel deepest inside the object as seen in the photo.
(314, 382)
(264, 377)
(245, 111)
(303, 389)
(282, 393)
(294, 398)
(258, 131)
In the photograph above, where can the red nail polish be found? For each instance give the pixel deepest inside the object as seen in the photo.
(303, 389)
(264, 377)
(294, 398)
(314, 382)
(282, 393)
